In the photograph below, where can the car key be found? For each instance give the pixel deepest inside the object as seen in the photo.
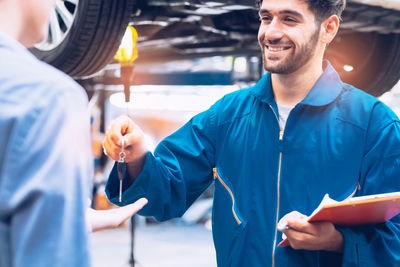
(121, 167)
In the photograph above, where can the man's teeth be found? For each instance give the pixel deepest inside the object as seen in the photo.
(276, 49)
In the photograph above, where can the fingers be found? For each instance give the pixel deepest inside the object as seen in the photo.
(132, 152)
(109, 219)
(129, 210)
(300, 224)
(134, 138)
(316, 236)
(296, 228)
(294, 220)
(121, 126)
(124, 128)
(112, 150)
(300, 240)
(311, 236)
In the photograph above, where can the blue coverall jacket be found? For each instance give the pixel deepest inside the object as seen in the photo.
(338, 140)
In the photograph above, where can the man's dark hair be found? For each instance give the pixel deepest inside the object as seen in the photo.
(322, 9)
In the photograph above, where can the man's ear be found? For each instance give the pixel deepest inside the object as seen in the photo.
(329, 28)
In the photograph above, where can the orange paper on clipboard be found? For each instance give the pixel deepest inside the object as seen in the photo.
(371, 209)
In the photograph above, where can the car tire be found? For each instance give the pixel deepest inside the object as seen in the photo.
(369, 41)
(92, 39)
(368, 60)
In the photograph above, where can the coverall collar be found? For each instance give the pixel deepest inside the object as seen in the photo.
(325, 90)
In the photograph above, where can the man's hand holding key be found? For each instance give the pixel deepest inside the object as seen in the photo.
(124, 132)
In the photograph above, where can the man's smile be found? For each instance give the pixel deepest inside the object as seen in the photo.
(277, 48)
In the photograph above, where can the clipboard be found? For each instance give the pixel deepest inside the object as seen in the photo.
(371, 209)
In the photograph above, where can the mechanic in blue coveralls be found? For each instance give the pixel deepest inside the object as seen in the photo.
(277, 147)
(45, 156)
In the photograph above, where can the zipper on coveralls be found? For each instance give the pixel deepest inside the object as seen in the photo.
(281, 133)
(216, 176)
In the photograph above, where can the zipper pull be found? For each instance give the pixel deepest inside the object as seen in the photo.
(215, 174)
(281, 134)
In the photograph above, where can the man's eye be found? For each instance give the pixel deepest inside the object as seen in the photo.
(264, 18)
(290, 19)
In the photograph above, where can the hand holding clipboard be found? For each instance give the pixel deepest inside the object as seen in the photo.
(371, 209)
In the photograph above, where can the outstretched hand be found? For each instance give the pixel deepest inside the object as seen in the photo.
(109, 219)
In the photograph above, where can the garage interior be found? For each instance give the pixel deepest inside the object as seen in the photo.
(189, 56)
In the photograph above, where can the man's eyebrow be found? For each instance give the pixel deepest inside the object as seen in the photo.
(264, 12)
(291, 12)
(282, 12)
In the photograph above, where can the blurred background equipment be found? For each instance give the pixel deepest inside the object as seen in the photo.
(126, 54)
(85, 34)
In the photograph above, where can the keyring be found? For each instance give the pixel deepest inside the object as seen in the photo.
(122, 154)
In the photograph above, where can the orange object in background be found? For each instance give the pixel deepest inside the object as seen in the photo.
(102, 202)
(127, 53)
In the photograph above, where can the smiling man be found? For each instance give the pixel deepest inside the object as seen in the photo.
(274, 150)
(286, 48)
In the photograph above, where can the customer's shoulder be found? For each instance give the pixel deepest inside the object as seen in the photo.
(28, 79)
(46, 74)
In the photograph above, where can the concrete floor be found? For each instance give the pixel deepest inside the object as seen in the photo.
(166, 244)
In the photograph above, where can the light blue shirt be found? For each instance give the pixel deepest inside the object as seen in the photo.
(45, 163)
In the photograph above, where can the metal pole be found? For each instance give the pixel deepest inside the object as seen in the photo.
(132, 256)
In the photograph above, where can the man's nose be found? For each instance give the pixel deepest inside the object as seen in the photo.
(273, 31)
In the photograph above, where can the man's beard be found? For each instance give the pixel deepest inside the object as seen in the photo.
(294, 60)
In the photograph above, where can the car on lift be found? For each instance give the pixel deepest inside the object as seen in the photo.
(85, 34)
